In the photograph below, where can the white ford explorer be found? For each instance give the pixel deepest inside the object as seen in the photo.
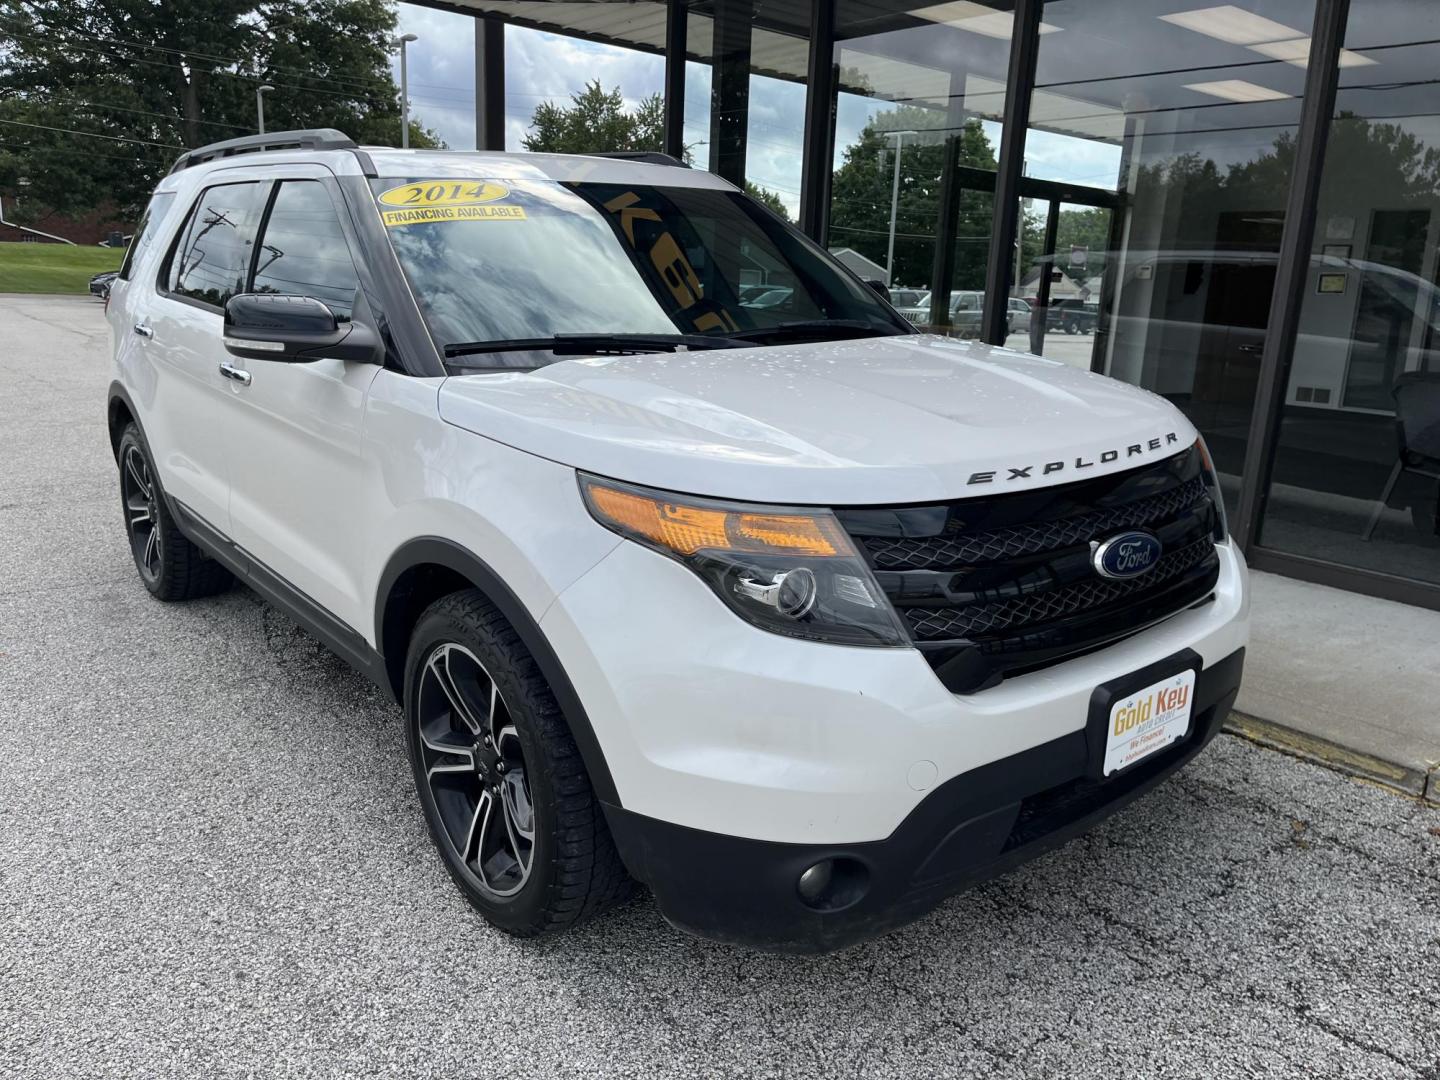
(802, 619)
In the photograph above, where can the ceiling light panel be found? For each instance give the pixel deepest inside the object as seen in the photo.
(1229, 23)
(1297, 52)
(1236, 90)
(976, 18)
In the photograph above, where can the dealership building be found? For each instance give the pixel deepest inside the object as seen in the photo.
(1234, 205)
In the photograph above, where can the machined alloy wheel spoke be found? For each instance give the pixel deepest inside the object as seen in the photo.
(139, 472)
(151, 558)
(439, 666)
(475, 838)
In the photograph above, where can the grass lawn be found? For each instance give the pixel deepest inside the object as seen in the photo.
(53, 268)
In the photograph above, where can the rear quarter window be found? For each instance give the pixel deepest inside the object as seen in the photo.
(145, 232)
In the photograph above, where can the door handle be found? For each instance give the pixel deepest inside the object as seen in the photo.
(143, 330)
(230, 371)
(1251, 348)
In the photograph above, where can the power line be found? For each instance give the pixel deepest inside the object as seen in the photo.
(144, 112)
(77, 152)
(92, 134)
(252, 79)
(239, 61)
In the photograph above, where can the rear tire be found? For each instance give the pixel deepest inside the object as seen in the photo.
(500, 780)
(169, 565)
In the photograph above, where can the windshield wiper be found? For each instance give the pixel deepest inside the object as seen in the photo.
(818, 328)
(594, 344)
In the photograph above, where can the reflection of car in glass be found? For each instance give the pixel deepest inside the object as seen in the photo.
(1191, 325)
(802, 619)
(768, 298)
(1019, 315)
(965, 311)
(1072, 316)
(909, 298)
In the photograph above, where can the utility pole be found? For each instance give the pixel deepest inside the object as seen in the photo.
(260, 92)
(402, 41)
(894, 204)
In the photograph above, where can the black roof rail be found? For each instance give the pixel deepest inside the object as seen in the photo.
(653, 157)
(306, 139)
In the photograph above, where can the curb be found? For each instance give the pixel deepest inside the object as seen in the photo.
(1406, 779)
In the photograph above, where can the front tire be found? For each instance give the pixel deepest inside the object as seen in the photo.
(169, 565)
(500, 780)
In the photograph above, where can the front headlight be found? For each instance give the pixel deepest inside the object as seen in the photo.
(1212, 481)
(792, 571)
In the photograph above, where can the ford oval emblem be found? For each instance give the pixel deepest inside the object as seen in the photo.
(1125, 555)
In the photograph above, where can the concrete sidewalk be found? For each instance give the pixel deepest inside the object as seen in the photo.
(1349, 681)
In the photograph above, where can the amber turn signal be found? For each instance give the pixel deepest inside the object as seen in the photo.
(687, 528)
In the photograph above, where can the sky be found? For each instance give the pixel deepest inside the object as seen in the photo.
(548, 67)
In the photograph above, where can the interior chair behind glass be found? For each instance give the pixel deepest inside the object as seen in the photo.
(1417, 423)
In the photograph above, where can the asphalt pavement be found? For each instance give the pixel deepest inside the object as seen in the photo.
(212, 864)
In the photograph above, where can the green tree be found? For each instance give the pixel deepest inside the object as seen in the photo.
(860, 206)
(597, 122)
(767, 197)
(143, 80)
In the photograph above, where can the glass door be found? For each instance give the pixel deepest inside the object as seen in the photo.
(1061, 251)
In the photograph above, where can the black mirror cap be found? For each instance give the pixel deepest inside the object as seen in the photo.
(293, 329)
(880, 288)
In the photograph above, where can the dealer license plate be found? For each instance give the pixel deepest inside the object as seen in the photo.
(1149, 720)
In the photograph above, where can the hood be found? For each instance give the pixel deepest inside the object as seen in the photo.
(870, 421)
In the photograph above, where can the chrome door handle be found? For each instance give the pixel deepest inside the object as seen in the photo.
(143, 330)
(230, 371)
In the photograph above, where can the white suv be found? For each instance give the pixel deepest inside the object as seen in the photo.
(803, 620)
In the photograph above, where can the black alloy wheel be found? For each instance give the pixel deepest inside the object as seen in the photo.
(142, 513)
(170, 566)
(502, 785)
(475, 770)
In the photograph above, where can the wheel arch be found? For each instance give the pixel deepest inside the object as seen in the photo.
(426, 568)
(119, 411)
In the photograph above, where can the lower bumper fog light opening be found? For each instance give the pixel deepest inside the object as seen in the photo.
(833, 884)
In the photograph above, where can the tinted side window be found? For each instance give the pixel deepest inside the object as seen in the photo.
(303, 251)
(212, 264)
(150, 223)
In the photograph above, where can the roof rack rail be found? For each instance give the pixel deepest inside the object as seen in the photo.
(653, 157)
(306, 139)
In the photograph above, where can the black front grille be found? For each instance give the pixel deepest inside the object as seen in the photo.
(1001, 584)
(1050, 604)
(926, 553)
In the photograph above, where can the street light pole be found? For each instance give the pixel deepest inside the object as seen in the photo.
(894, 204)
(260, 92)
(402, 41)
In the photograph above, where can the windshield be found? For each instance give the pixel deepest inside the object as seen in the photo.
(524, 260)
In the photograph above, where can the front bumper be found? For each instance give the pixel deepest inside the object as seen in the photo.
(708, 722)
(973, 827)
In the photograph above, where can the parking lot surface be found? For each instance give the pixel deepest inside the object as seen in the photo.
(212, 864)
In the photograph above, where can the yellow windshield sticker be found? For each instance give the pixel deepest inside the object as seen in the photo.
(425, 214)
(444, 193)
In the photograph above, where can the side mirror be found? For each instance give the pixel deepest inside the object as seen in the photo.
(879, 287)
(294, 329)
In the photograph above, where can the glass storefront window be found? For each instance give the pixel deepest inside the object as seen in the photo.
(758, 53)
(1193, 107)
(1357, 465)
(921, 94)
